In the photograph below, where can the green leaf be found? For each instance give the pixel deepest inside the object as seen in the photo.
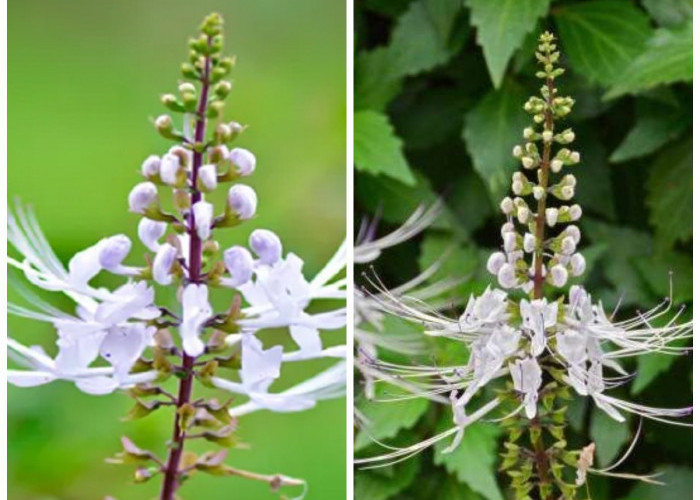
(657, 270)
(458, 261)
(474, 459)
(609, 437)
(669, 13)
(667, 58)
(618, 260)
(670, 197)
(502, 27)
(423, 37)
(649, 367)
(386, 419)
(491, 130)
(377, 150)
(395, 200)
(678, 484)
(602, 37)
(656, 125)
(374, 86)
(379, 484)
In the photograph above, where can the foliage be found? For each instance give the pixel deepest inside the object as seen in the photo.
(455, 106)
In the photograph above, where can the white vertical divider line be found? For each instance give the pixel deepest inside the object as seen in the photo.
(349, 214)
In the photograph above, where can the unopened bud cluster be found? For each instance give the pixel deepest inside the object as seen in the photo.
(543, 154)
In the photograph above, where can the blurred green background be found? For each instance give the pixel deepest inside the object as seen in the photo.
(439, 90)
(84, 80)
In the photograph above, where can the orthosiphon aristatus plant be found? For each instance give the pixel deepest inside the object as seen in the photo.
(122, 339)
(534, 344)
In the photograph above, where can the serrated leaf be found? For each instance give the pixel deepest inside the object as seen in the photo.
(491, 130)
(502, 27)
(474, 459)
(617, 261)
(383, 483)
(669, 12)
(602, 37)
(386, 419)
(396, 201)
(667, 58)
(678, 484)
(649, 367)
(670, 198)
(656, 125)
(377, 150)
(374, 86)
(609, 437)
(423, 38)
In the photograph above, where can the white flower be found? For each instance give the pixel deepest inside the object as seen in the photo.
(142, 196)
(537, 316)
(243, 201)
(558, 275)
(266, 245)
(195, 313)
(123, 345)
(239, 264)
(551, 215)
(150, 231)
(208, 176)
(507, 205)
(509, 242)
(578, 264)
(488, 308)
(163, 264)
(113, 251)
(506, 276)
(244, 161)
(527, 378)
(203, 217)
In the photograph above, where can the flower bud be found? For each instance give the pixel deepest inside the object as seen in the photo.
(574, 232)
(203, 216)
(551, 216)
(547, 136)
(150, 231)
(575, 157)
(538, 192)
(510, 242)
(523, 214)
(569, 180)
(243, 201)
(150, 166)
(506, 276)
(507, 228)
(223, 88)
(567, 192)
(518, 151)
(556, 165)
(218, 153)
(164, 126)
(575, 212)
(169, 168)
(507, 205)
(568, 136)
(163, 264)
(113, 251)
(187, 88)
(239, 264)
(243, 160)
(568, 245)
(577, 264)
(558, 275)
(529, 242)
(207, 177)
(517, 187)
(495, 262)
(142, 196)
(528, 133)
(527, 162)
(266, 245)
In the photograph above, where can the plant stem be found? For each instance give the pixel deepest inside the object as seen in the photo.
(541, 460)
(171, 480)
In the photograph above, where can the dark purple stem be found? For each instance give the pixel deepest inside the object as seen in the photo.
(171, 481)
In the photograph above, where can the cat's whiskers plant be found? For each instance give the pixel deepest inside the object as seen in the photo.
(536, 346)
(132, 334)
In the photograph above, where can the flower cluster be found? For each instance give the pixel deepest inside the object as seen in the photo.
(122, 339)
(528, 351)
